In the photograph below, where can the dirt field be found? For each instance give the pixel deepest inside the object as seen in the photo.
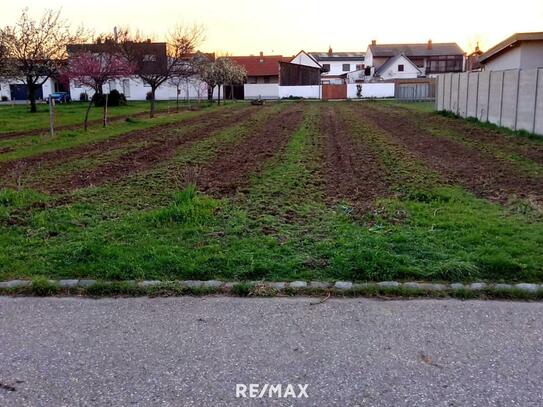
(364, 191)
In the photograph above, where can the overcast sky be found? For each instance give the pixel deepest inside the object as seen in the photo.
(286, 26)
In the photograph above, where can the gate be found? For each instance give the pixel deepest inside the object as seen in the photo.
(20, 92)
(334, 92)
(415, 89)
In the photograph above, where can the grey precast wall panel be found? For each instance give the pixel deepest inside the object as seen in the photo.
(526, 100)
(439, 92)
(538, 123)
(447, 91)
(483, 95)
(463, 95)
(509, 105)
(473, 83)
(455, 80)
(495, 99)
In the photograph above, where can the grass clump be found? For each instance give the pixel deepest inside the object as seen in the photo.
(42, 287)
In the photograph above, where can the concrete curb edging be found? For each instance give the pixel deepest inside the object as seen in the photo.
(261, 288)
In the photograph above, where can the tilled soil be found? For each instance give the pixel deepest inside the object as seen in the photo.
(522, 146)
(352, 170)
(158, 150)
(161, 135)
(477, 171)
(235, 164)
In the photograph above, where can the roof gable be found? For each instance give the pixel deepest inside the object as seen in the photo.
(303, 58)
(395, 60)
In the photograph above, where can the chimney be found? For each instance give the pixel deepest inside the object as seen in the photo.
(261, 56)
(429, 44)
(373, 42)
(330, 51)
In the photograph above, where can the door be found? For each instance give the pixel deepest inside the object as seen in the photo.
(330, 92)
(20, 92)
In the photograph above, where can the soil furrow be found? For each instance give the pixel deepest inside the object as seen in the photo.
(472, 133)
(12, 170)
(235, 163)
(156, 151)
(352, 169)
(479, 172)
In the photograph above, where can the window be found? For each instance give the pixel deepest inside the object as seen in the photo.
(359, 67)
(400, 68)
(326, 67)
(149, 58)
(346, 67)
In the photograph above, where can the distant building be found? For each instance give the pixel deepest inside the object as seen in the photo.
(151, 58)
(262, 76)
(472, 60)
(428, 59)
(519, 51)
(336, 65)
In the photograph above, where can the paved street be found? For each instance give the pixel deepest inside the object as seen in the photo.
(193, 351)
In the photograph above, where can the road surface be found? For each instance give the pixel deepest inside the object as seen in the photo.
(195, 351)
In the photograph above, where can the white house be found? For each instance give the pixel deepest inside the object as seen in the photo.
(336, 65)
(398, 67)
(430, 58)
(16, 89)
(519, 51)
(153, 58)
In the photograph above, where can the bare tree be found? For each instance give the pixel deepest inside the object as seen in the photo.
(206, 73)
(95, 69)
(182, 75)
(36, 49)
(153, 69)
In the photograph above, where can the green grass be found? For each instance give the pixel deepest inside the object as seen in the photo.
(152, 226)
(18, 117)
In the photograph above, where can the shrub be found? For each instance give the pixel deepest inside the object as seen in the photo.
(83, 97)
(115, 98)
(149, 96)
(4, 98)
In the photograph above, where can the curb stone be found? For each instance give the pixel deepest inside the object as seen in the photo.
(300, 286)
(343, 285)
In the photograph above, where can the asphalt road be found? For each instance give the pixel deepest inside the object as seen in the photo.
(193, 351)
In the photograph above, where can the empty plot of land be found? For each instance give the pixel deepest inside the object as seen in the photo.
(476, 170)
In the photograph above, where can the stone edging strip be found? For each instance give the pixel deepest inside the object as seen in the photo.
(41, 286)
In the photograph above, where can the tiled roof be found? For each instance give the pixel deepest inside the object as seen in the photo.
(509, 42)
(256, 65)
(416, 50)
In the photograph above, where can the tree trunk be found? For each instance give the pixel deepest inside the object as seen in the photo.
(177, 101)
(86, 122)
(153, 104)
(232, 91)
(31, 95)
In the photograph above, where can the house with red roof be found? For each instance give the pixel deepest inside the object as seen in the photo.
(262, 76)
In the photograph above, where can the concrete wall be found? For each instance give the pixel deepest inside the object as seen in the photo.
(511, 98)
(264, 91)
(371, 90)
(308, 92)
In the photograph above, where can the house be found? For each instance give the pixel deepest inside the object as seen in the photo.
(262, 76)
(429, 58)
(300, 77)
(398, 67)
(13, 89)
(151, 58)
(519, 51)
(337, 65)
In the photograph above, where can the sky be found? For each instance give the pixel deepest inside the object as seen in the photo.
(245, 27)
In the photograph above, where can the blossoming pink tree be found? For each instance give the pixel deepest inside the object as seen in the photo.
(94, 70)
